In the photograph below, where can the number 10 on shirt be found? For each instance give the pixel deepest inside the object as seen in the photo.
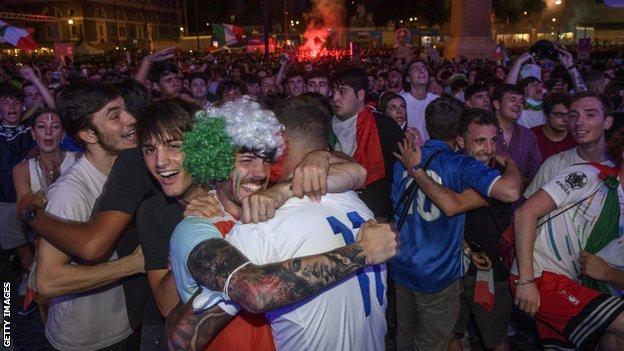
(347, 234)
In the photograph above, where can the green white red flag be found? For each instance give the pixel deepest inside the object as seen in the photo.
(16, 36)
(228, 34)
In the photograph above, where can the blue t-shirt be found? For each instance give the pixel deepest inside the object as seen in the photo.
(429, 257)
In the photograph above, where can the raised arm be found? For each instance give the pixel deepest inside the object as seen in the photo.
(567, 61)
(514, 72)
(28, 73)
(149, 60)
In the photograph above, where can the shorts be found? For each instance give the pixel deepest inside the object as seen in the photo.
(571, 315)
(11, 233)
(425, 321)
(492, 326)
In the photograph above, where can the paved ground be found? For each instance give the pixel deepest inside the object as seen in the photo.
(27, 331)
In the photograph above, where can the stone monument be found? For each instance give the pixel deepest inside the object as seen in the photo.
(470, 30)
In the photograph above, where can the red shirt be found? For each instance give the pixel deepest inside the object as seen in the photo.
(548, 147)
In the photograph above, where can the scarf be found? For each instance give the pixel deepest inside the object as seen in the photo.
(368, 146)
(368, 150)
(532, 105)
(607, 226)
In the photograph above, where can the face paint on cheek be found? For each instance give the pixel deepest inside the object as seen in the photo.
(235, 185)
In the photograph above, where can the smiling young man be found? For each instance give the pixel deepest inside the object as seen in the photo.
(160, 133)
(88, 307)
(589, 118)
(514, 140)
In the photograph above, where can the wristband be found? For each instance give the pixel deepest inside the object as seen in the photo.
(519, 282)
(414, 169)
(573, 66)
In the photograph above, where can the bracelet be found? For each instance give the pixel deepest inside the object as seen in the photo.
(519, 282)
(573, 66)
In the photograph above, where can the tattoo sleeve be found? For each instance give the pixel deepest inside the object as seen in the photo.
(261, 288)
(189, 331)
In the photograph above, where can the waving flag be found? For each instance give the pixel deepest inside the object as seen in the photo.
(227, 34)
(18, 37)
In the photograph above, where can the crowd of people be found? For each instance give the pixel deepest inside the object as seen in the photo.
(221, 201)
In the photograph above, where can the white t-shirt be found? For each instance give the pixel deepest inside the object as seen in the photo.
(530, 118)
(348, 316)
(98, 318)
(416, 112)
(560, 239)
(346, 132)
(553, 165)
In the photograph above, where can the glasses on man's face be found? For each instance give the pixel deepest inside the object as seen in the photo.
(558, 114)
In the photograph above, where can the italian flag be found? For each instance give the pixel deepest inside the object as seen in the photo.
(484, 289)
(18, 37)
(227, 34)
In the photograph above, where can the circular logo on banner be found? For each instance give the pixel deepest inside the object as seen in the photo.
(402, 36)
(576, 180)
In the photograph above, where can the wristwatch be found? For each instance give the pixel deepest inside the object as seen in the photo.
(29, 214)
(413, 169)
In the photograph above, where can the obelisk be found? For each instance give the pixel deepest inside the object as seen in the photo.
(471, 30)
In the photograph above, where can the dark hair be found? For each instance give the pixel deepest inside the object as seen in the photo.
(200, 75)
(502, 89)
(39, 111)
(249, 78)
(11, 91)
(473, 89)
(458, 84)
(316, 73)
(134, 94)
(553, 100)
(164, 118)
(615, 146)
(306, 119)
(476, 116)
(294, 73)
(353, 77)
(605, 102)
(406, 85)
(161, 69)
(385, 98)
(230, 84)
(442, 118)
(77, 102)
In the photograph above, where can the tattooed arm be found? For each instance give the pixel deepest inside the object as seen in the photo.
(260, 288)
(187, 330)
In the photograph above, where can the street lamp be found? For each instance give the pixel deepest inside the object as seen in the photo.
(557, 2)
(70, 21)
(554, 19)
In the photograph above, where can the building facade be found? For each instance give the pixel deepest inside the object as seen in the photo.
(104, 23)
